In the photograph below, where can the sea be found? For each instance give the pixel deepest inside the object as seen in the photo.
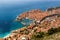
(9, 12)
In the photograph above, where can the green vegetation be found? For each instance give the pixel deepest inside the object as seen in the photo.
(58, 29)
(38, 34)
(51, 31)
(52, 34)
(55, 36)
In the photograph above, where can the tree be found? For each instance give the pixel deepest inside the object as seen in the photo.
(38, 34)
(52, 30)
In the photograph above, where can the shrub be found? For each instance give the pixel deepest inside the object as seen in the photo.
(38, 34)
(58, 29)
(52, 30)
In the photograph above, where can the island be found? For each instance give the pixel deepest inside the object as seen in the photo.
(42, 23)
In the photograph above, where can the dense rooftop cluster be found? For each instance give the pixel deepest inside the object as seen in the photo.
(43, 21)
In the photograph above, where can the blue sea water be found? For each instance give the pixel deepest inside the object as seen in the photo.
(8, 13)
